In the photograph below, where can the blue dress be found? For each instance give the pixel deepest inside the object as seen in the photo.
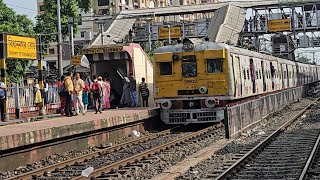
(85, 99)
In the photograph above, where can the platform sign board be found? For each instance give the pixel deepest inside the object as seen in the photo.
(76, 60)
(20, 47)
(279, 25)
(102, 50)
(175, 33)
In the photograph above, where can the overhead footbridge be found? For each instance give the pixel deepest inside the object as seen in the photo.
(197, 20)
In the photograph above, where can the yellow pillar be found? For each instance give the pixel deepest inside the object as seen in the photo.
(41, 84)
(4, 80)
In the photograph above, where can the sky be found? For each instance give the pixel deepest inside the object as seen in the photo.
(28, 7)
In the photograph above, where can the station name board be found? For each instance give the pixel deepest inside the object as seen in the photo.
(175, 33)
(279, 25)
(19, 47)
(102, 50)
(76, 60)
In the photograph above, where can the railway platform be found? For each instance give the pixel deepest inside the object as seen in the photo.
(18, 135)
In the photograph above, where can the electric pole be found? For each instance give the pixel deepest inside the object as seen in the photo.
(70, 23)
(60, 70)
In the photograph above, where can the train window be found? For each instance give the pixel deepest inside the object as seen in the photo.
(244, 73)
(165, 68)
(257, 75)
(248, 74)
(260, 77)
(189, 66)
(215, 65)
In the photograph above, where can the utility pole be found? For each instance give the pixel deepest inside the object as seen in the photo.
(60, 70)
(169, 34)
(149, 34)
(70, 22)
(102, 30)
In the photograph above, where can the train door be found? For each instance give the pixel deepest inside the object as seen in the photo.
(287, 75)
(253, 77)
(237, 75)
(284, 76)
(263, 77)
(272, 71)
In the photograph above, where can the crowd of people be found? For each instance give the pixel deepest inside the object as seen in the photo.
(72, 89)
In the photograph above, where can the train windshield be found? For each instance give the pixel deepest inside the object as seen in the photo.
(215, 65)
(189, 66)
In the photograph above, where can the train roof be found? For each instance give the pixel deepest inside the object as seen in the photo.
(200, 45)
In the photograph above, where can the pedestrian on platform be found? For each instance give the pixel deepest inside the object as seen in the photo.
(85, 97)
(69, 91)
(133, 91)
(144, 91)
(126, 100)
(104, 91)
(78, 84)
(46, 95)
(97, 93)
(38, 98)
(108, 92)
(2, 100)
(62, 94)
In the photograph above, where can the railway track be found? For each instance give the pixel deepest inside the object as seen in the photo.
(284, 154)
(107, 160)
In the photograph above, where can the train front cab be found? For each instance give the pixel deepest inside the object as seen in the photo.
(191, 97)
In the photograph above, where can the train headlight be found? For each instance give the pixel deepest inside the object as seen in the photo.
(166, 104)
(191, 104)
(203, 89)
(210, 102)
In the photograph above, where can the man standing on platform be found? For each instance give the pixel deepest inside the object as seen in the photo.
(78, 89)
(69, 91)
(133, 91)
(97, 93)
(144, 91)
(2, 100)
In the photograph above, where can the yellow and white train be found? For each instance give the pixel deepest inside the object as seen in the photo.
(196, 79)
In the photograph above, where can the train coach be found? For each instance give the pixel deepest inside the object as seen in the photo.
(195, 79)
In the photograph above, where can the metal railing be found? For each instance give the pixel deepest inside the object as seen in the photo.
(26, 96)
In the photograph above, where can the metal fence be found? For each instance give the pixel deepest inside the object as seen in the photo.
(26, 96)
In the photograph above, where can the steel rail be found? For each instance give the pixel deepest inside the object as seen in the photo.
(132, 159)
(258, 148)
(310, 159)
(50, 168)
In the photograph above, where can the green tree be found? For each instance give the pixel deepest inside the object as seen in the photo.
(13, 23)
(47, 21)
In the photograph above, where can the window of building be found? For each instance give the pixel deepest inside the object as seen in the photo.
(103, 2)
(80, 20)
(189, 66)
(214, 65)
(82, 33)
(165, 68)
(51, 51)
(41, 8)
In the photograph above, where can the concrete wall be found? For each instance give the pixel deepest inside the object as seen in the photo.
(240, 117)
